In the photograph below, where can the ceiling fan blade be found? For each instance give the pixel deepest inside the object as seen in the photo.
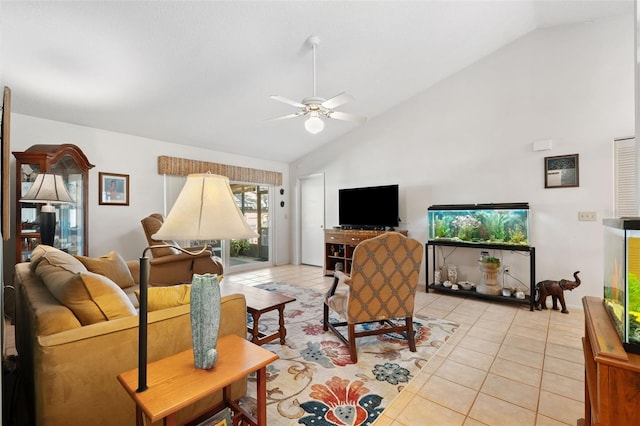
(295, 114)
(337, 100)
(347, 117)
(286, 101)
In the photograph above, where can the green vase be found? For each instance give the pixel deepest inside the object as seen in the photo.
(205, 319)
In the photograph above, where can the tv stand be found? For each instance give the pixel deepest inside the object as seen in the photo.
(340, 243)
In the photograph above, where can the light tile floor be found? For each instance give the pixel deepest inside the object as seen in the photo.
(504, 366)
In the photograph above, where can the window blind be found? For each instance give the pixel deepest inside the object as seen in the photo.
(625, 179)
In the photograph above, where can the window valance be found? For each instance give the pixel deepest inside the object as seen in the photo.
(182, 167)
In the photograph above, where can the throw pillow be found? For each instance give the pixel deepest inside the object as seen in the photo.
(92, 298)
(112, 266)
(55, 256)
(54, 266)
(167, 297)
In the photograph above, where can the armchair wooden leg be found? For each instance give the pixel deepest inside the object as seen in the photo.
(410, 334)
(325, 320)
(352, 342)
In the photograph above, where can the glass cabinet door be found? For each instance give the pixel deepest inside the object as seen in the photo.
(28, 232)
(70, 217)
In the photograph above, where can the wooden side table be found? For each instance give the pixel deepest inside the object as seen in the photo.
(259, 302)
(174, 382)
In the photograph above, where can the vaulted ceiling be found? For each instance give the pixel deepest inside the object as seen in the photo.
(201, 73)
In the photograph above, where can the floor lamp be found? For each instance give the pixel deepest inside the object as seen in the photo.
(205, 210)
(48, 189)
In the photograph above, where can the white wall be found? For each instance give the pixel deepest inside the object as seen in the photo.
(118, 227)
(469, 140)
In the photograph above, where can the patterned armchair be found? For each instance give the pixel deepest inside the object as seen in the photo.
(169, 265)
(381, 288)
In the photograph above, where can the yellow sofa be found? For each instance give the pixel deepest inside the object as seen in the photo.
(70, 368)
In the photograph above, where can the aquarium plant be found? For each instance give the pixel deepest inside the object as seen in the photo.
(466, 227)
(442, 227)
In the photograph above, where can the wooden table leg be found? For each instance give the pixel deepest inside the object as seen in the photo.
(282, 330)
(261, 396)
(255, 334)
(139, 414)
(171, 420)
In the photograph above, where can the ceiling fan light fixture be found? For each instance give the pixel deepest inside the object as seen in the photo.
(315, 107)
(314, 124)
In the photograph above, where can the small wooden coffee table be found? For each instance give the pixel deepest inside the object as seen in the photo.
(260, 301)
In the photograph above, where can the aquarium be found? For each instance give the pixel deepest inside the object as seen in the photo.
(500, 224)
(621, 273)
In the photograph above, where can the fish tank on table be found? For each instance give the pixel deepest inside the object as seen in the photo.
(621, 273)
(498, 223)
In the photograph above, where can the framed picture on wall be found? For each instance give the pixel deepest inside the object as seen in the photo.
(114, 189)
(561, 171)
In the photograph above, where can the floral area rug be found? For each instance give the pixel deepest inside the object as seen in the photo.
(315, 383)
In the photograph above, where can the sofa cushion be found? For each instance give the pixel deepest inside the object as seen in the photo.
(112, 266)
(92, 297)
(167, 297)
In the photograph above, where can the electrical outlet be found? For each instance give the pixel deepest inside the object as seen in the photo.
(587, 216)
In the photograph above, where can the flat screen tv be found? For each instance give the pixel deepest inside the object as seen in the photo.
(374, 207)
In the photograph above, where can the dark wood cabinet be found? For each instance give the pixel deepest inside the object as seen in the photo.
(612, 376)
(339, 245)
(70, 162)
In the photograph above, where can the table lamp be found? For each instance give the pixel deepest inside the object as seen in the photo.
(205, 210)
(49, 189)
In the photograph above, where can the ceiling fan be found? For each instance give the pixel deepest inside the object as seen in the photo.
(316, 107)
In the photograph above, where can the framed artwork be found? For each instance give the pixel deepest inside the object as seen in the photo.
(561, 171)
(114, 189)
(5, 161)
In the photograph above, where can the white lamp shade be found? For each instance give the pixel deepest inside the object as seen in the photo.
(205, 210)
(314, 124)
(47, 188)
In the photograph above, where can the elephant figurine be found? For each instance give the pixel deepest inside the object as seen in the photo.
(555, 289)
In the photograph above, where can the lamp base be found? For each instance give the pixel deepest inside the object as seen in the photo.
(47, 227)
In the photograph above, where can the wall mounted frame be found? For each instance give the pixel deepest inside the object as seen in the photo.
(561, 171)
(114, 189)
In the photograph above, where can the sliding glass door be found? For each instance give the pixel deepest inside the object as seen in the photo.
(254, 202)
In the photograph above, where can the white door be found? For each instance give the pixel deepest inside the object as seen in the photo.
(312, 220)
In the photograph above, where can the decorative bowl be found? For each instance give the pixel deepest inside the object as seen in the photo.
(466, 285)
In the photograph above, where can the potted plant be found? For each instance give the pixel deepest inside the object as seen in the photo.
(489, 266)
(490, 262)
